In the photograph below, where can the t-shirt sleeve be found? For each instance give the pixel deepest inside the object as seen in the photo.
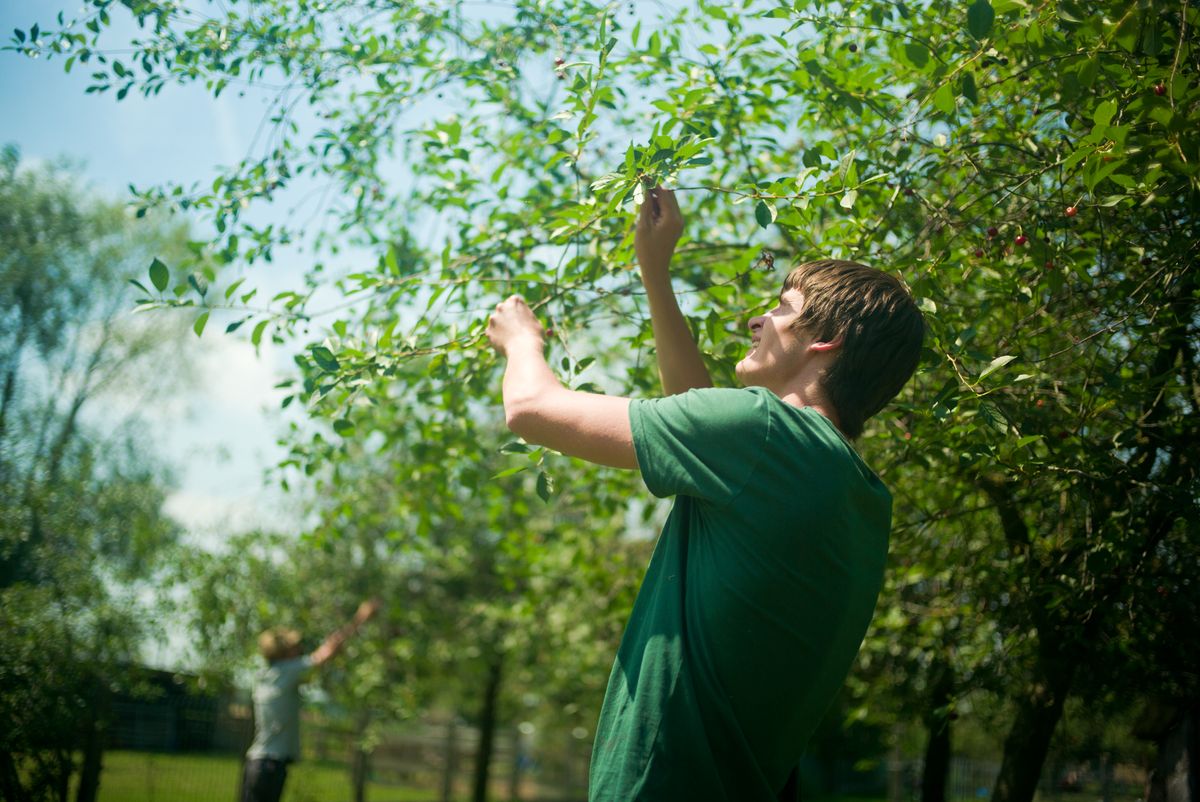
(702, 443)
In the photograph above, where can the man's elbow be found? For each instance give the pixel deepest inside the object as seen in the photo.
(522, 416)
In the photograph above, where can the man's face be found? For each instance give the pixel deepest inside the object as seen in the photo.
(776, 353)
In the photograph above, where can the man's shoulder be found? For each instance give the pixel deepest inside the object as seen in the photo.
(701, 400)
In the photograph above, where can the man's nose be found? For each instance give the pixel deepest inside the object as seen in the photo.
(756, 323)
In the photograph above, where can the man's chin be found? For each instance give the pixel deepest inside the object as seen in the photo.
(742, 370)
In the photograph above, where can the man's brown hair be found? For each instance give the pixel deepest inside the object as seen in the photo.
(881, 330)
(277, 643)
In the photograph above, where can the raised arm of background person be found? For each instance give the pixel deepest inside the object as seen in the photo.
(538, 408)
(337, 639)
(659, 225)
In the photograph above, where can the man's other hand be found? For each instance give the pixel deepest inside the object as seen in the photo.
(659, 225)
(512, 321)
(367, 609)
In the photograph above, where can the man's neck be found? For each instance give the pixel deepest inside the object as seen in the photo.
(805, 391)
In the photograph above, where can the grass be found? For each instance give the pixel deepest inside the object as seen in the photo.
(151, 777)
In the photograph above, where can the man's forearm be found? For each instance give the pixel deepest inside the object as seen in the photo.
(680, 365)
(333, 644)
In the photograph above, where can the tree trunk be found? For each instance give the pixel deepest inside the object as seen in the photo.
(93, 748)
(1029, 737)
(10, 781)
(487, 731)
(1176, 773)
(937, 722)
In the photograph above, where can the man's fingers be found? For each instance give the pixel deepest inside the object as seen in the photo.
(659, 204)
(667, 202)
(646, 211)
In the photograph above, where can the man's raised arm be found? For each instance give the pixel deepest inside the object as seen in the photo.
(538, 408)
(337, 639)
(659, 225)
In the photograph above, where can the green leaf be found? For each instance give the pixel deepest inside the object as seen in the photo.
(160, 276)
(325, 359)
(256, 335)
(980, 17)
(968, 90)
(765, 213)
(943, 99)
(545, 486)
(235, 325)
(917, 54)
(198, 284)
(515, 447)
(200, 323)
(996, 364)
(1104, 113)
(343, 427)
(848, 199)
(991, 415)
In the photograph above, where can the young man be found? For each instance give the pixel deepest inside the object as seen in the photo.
(766, 574)
(277, 703)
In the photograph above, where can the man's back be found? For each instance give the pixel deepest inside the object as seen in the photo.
(755, 602)
(277, 710)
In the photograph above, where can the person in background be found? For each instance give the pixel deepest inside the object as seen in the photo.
(277, 703)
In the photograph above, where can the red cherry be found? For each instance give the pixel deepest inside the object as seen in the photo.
(550, 331)
(1021, 239)
(558, 62)
(979, 253)
(993, 231)
(1049, 264)
(1071, 211)
(908, 191)
(908, 435)
(561, 75)
(1160, 89)
(1041, 402)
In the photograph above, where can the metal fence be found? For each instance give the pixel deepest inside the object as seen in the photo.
(432, 758)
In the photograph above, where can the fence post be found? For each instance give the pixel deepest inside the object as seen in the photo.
(514, 779)
(449, 763)
(895, 776)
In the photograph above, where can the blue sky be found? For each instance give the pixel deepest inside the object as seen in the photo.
(220, 440)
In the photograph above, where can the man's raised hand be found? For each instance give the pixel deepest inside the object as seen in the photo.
(513, 320)
(659, 225)
(367, 609)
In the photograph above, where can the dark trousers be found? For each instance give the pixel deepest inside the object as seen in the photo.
(262, 780)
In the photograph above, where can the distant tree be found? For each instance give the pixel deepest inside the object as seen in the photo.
(82, 531)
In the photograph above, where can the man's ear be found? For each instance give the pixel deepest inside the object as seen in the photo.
(825, 346)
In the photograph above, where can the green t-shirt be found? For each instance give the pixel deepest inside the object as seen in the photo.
(754, 604)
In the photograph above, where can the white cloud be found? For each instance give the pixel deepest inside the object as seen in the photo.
(237, 378)
(229, 142)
